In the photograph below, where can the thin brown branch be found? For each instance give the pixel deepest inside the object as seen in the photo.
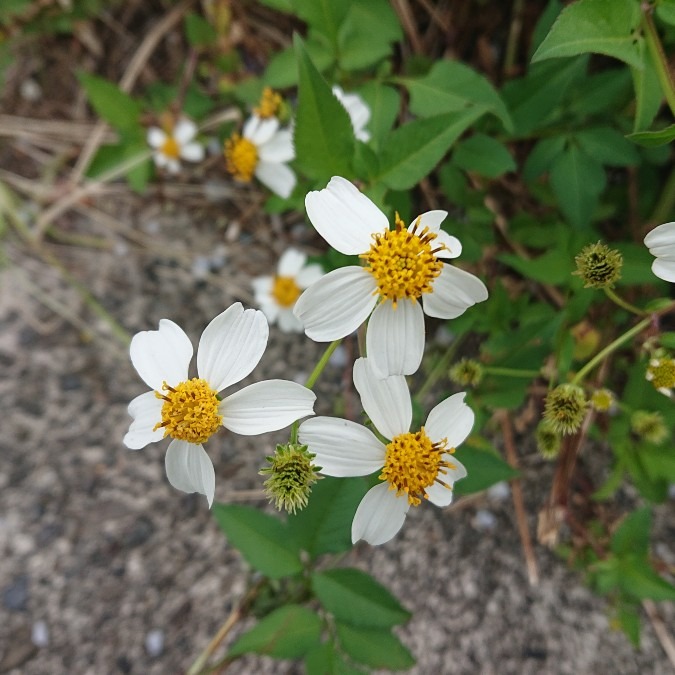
(661, 630)
(402, 8)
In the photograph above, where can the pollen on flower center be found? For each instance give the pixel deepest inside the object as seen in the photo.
(241, 157)
(413, 463)
(270, 103)
(190, 411)
(285, 291)
(402, 262)
(170, 148)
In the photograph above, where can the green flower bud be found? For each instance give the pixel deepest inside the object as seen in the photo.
(565, 408)
(291, 476)
(548, 440)
(599, 266)
(603, 400)
(466, 373)
(650, 426)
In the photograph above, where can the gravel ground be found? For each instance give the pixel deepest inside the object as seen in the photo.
(105, 568)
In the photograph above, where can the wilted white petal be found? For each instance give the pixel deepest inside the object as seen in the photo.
(453, 292)
(161, 355)
(291, 262)
(451, 419)
(231, 346)
(342, 448)
(337, 304)
(190, 469)
(385, 400)
(395, 337)
(146, 411)
(379, 516)
(266, 406)
(277, 177)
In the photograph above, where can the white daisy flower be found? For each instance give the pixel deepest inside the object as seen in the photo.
(262, 150)
(276, 295)
(169, 148)
(661, 373)
(358, 111)
(661, 244)
(414, 465)
(191, 410)
(403, 266)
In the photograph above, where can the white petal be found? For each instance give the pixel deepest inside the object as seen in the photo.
(262, 288)
(271, 310)
(395, 337)
(160, 160)
(385, 400)
(161, 355)
(440, 495)
(664, 269)
(259, 131)
(173, 166)
(337, 304)
(231, 346)
(345, 217)
(342, 448)
(146, 411)
(663, 235)
(184, 131)
(430, 219)
(192, 152)
(266, 406)
(289, 323)
(277, 177)
(379, 516)
(356, 107)
(453, 292)
(190, 469)
(451, 419)
(433, 220)
(309, 275)
(278, 149)
(291, 262)
(155, 137)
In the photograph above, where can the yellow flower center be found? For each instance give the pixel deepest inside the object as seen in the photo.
(241, 157)
(269, 105)
(190, 411)
(285, 291)
(661, 373)
(403, 263)
(602, 400)
(170, 148)
(413, 463)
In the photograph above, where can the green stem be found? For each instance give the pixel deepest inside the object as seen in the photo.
(613, 346)
(666, 204)
(622, 303)
(440, 369)
(510, 372)
(659, 57)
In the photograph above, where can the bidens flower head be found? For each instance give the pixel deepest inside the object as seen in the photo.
(262, 150)
(191, 410)
(413, 465)
(176, 144)
(661, 244)
(276, 295)
(661, 373)
(404, 272)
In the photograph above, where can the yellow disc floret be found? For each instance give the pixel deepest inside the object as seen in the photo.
(403, 262)
(241, 157)
(269, 105)
(190, 411)
(661, 373)
(413, 463)
(170, 148)
(285, 291)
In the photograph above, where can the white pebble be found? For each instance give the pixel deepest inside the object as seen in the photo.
(484, 520)
(40, 634)
(338, 359)
(499, 491)
(30, 90)
(154, 642)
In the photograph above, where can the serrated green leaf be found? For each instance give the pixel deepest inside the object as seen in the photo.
(629, 620)
(355, 598)
(665, 11)
(325, 16)
(483, 155)
(549, 268)
(667, 340)
(452, 86)
(110, 103)
(324, 137)
(282, 70)
(263, 540)
(544, 24)
(412, 151)
(326, 660)
(374, 648)
(612, 90)
(287, 633)
(384, 103)
(483, 469)
(199, 32)
(632, 536)
(598, 26)
(648, 94)
(540, 159)
(608, 146)
(638, 580)
(654, 138)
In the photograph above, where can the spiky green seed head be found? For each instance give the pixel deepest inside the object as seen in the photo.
(466, 373)
(565, 408)
(599, 266)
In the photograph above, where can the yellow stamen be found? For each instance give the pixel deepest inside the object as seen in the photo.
(190, 411)
(285, 291)
(170, 148)
(269, 105)
(413, 463)
(241, 157)
(661, 373)
(402, 262)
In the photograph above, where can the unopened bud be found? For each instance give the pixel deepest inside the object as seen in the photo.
(548, 440)
(603, 400)
(650, 426)
(466, 373)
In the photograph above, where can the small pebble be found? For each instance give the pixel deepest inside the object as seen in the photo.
(30, 90)
(671, 490)
(499, 491)
(40, 634)
(154, 642)
(15, 596)
(201, 267)
(484, 520)
(338, 359)
(444, 337)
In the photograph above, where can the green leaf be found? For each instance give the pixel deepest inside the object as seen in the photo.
(629, 620)
(612, 90)
(325, 16)
(608, 146)
(452, 86)
(632, 536)
(577, 180)
(325, 660)
(540, 159)
(324, 137)
(483, 469)
(374, 648)
(280, 5)
(412, 151)
(638, 580)
(287, 633)
(648, 94)
(665, 11)
(549, 268)
(544, 24)
(598, 26)
(199, 32)
(263, 540)
(110, 103)
(483, 155)
(384, 103)
(355, 598)
(325, 526)
(282, 70)
(653, 138)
